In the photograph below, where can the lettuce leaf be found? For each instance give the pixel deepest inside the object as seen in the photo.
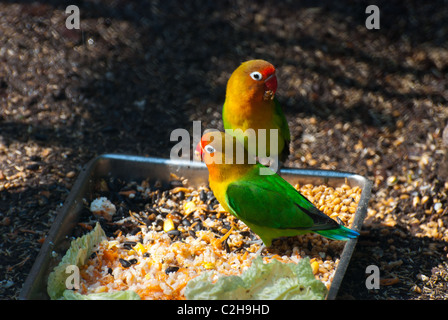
(114, 295)
(78, 254)
(265, 281)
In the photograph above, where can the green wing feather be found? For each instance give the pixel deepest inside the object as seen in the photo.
(281, 122)
(270, 201)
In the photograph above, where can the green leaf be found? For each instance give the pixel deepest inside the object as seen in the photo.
(264, 281)
(114, 295)
(78, 254)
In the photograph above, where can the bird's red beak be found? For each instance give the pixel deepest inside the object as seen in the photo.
(198, 152)
(271, 83)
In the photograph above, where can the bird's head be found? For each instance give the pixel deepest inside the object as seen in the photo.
(216, 148)
(210, 148)
(256, 78)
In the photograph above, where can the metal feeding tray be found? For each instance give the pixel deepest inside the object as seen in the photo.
(140, 168)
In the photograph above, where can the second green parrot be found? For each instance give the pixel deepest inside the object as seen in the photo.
(251, 104)
(267, 204)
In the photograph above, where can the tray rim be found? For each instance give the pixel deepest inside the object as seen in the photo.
(88, 170)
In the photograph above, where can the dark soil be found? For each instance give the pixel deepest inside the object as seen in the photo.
(372, 102)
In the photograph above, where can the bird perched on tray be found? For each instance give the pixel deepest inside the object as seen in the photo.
(251, 104)
(267, 204)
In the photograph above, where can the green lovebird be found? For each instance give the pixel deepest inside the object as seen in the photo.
(267, 204)
(251, 104)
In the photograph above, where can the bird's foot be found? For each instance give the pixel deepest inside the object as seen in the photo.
(259, 251)
(260, 243)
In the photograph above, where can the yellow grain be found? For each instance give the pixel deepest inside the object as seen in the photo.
(315, 267)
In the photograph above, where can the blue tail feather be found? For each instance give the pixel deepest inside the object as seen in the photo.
(341, 233)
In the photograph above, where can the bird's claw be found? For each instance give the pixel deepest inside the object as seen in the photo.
(260, 243)
(259, 251)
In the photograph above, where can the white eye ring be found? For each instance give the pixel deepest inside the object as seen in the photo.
(256, 76)
(209, 149)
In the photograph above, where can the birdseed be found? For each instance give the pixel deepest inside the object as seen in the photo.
(160, 239)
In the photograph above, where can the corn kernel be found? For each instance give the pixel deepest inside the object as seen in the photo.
(208, 265)
(139, 248)
(336, 201)
(322, 270)
(318, 195)
(189, 207)
(315, 267)
(168, 225)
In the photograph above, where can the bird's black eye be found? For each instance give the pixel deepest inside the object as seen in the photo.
(256, 75)
(209, 149)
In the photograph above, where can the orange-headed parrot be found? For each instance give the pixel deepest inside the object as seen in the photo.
(251, 104)
(267, 204)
